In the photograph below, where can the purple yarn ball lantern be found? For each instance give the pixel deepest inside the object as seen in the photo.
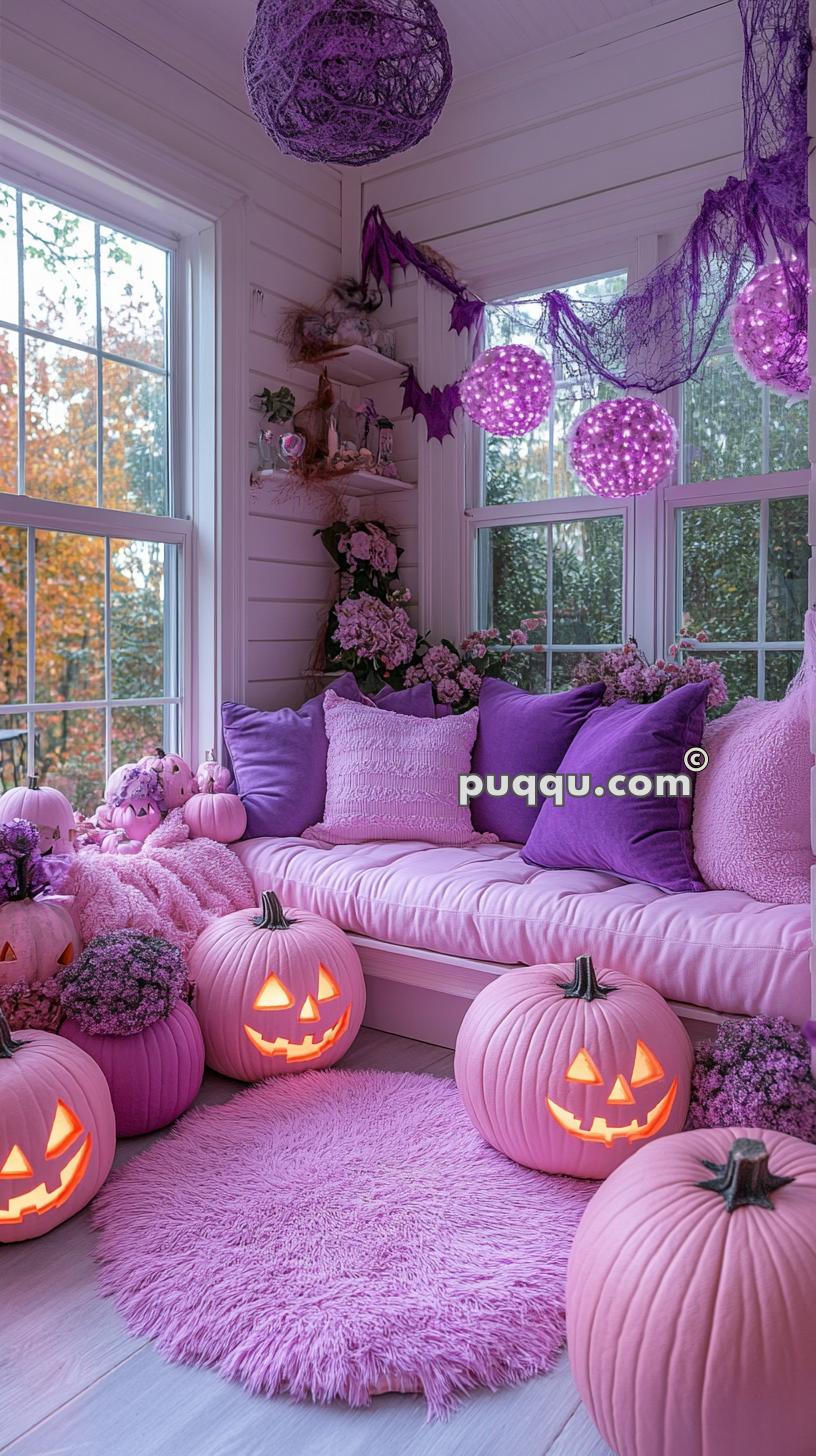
(767, 335)
(348, 81)
(623, 447)
(508, 390)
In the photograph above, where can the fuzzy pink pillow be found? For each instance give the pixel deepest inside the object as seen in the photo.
(751, 822)
(393, 777)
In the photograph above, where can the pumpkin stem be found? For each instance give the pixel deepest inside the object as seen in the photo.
(584, 985)
(33, 781)
(271, 916)
(8, 1046)
(745, 1180)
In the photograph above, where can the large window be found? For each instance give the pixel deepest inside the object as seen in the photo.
(90, 553)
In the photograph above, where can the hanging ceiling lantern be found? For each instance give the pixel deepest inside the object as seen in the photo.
(508, 390)
(349, 81)
(769, 339)
(623, 447)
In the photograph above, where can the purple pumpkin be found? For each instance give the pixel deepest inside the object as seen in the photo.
(154, 1075)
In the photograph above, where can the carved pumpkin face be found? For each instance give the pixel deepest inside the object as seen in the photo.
(608, 1127)
(57, 1133)
(47, 809)
(275, 993)
(36, 938)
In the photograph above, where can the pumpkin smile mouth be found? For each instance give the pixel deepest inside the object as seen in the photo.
(600, 1130)
(40, 1199)
(299, 1051)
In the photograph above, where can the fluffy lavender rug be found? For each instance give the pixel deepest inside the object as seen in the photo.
(338, 1233)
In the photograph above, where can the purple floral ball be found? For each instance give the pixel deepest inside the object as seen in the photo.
(508, 390)
(623, 447)
(122, 982)
(769, 339)
(755, 1073)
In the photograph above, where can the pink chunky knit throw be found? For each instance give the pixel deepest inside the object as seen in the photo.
(393, 777)
(173, 888)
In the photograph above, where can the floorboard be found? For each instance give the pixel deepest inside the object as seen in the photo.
(73, 1382)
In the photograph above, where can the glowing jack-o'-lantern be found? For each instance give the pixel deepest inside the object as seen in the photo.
(57, 1133)
(36, 938)
(572, 1075)
(276, 992)
(47, 809)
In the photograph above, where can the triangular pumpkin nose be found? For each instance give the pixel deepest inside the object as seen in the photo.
(621, 1092)
(309, 1010)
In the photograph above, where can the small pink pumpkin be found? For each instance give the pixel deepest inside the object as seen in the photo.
(47, 809)
(570, 1072)
(691, 1297)
(117, 842)
(57, 1132)
(137, 817)
(36, 938)
(210, 815)
(175, 776)
(211, 776)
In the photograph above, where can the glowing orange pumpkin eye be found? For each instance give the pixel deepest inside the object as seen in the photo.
(67, 955)
(273, 996)
(647, 1068)
(16, 1165)
(326, 985)
(6, 952)
(583, 1069)
(64, 1129)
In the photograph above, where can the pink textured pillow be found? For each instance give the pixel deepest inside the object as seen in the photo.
(393, 777)
(751, 820)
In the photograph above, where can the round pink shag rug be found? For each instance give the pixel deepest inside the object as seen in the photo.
(339, 1234)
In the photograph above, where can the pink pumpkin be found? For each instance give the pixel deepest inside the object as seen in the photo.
(117, 842)
(47, 809)
(282, 991)
(175, 776)
(691, 1298)
(137, 817)
(153, 1075)
(57, 1134)
(211, 776)
(209, 815)
(36, 938)
(570, 1072)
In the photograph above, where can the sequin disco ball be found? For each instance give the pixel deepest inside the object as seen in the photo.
(508, 390)
(623, 447)
(768, 338)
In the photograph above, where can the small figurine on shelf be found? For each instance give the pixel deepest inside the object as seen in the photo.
(277, 407)
(385, 448)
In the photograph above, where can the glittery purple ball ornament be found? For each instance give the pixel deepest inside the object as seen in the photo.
(768, 337)
(349, 81)
(508, 390)
(623, 447)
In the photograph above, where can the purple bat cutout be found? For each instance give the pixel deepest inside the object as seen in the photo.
(383, 249)
(437, 406)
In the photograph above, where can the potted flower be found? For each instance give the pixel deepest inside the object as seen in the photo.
(37, 933)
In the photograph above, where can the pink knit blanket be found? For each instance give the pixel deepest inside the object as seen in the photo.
(173, 888)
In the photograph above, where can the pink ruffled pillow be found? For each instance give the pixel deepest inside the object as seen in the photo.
(393, 777)
(751, 822)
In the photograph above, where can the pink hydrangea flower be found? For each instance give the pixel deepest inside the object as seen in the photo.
(448, 691)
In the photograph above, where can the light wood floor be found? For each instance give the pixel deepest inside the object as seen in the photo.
(73, 1382)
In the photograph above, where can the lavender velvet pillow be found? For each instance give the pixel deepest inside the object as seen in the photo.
(393, 777)
(279, 759)
(522, 733)
(647, 839)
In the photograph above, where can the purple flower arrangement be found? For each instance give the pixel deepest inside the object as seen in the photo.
(366, 554)
(122, 982)
(457, 673)
(627, 673)
(755, 1073)
(32, 1004)
(136, 782)
(373, 632)
(24, 873)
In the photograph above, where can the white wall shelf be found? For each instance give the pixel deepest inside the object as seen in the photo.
(355, 482)
(356, 365)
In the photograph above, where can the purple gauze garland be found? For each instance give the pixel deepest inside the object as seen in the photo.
(657, 333)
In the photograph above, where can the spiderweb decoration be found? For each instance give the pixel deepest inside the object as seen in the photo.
(656, 334)
(349, 81)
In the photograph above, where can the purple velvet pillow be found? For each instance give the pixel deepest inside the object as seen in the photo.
(279, 759)
(647, 839)
(522, 733)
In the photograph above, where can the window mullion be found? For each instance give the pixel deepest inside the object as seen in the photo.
(100, 494)
(550, 598)
(108, 669)
(764, 523)
(21, 362)
(31, 662)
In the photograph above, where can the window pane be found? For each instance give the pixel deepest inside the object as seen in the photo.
(517, 469)
(138, 603)
(8, 255)
(740, 673)
(70, 598)
(722, 421)
(588, 580)
(58, 271)
(136, 731)
(720, 570)
(788, 553)
(780, 667)
(134, 297)
(13, 575)
(563, 666)
(60, 423)
(13, 750)
(787, 433)
(513, 574)
(70, 754)
(9, 404)
(134, 469)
